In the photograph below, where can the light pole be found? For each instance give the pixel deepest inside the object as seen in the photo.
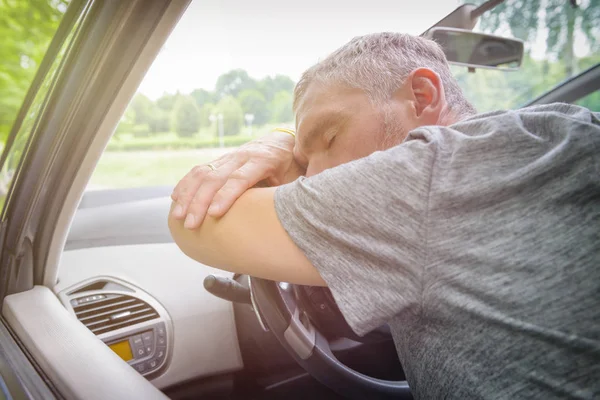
(221, 133)
(219, 119)
(249, 118)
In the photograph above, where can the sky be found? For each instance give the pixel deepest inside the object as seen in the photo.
(268, 37)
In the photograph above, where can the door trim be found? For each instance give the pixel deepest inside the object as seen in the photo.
(19, 376)
(55, 230)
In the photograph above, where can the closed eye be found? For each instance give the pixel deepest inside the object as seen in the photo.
(330, 135)
(330, 141)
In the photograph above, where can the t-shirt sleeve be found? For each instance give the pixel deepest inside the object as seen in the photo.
(363, 225)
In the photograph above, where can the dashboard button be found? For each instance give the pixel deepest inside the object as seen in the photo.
(141, 367)
(140, 352)
(161, 330)
(137, 346)
(148, 338)
(160, 353)
(136, 341)
(161, 341)
(152, 364)
(148, 349)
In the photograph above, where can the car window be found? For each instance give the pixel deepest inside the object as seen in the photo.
(591, 101)
(26, 28)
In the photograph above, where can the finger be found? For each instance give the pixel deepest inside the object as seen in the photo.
(241, 180)
(189, 185)
(196, 211)
(186, 188)
(192, 180)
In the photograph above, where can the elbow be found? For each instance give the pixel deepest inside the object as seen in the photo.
(177, 232)
(191, 242)
(173, 224)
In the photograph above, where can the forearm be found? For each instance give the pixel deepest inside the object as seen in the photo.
(248, 239)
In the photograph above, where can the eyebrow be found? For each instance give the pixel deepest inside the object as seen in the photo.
(331, 120)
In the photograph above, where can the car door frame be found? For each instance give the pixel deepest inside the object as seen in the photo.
(105, 61)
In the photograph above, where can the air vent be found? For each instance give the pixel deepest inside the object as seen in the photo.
(113, 312)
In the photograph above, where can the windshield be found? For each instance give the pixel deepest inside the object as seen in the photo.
(560, 41)
(226, 75)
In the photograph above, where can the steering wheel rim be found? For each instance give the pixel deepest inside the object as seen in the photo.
(279, 310)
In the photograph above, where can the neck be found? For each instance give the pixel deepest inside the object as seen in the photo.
(449, 117)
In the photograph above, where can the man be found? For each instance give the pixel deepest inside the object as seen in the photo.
(475, 237)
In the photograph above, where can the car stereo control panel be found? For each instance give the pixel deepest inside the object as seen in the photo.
(145, 350)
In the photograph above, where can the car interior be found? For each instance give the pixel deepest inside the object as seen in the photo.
(102, 302)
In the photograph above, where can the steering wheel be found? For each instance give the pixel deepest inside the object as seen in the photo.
(281, 310)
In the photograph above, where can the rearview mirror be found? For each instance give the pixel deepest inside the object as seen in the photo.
(478, 50)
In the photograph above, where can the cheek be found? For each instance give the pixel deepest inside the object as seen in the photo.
(357, 144)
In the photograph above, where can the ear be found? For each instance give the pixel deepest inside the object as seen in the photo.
(427, 94)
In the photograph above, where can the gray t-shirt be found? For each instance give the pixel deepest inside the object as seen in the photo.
(478, 243)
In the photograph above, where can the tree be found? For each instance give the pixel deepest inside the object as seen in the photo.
(269, 86)
(591, 101)
(281, 107)
(253, 102)
(233, 82)
(206, 111)
(143, 108)
(202, 96)
(126, 123)
(561, 19)
(26, 28)
(186, 117)
(161, 121)
(149, 115)
(155, 116)
(233, 116)
(167, 101)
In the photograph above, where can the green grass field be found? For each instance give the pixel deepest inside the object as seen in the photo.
(165, 160)
(148, 168)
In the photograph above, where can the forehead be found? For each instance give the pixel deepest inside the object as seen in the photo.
(320, 98)
(325, 106)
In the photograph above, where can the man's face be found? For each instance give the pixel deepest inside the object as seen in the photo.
(335, 125)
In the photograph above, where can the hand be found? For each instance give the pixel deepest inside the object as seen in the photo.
(268, 160)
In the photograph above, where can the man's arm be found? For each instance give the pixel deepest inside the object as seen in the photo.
(248, 239)
(203, 190)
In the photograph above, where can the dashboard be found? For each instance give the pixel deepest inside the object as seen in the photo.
(126, 281)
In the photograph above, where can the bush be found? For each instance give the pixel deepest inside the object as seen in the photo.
(186, 117)
(126, 124)
(169, 142)
(233, 116)
(281, 107)
(161, 121)
(141, 130)
(253, 102)
(205, 112)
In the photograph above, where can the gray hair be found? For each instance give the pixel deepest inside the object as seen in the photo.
(379, 63)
